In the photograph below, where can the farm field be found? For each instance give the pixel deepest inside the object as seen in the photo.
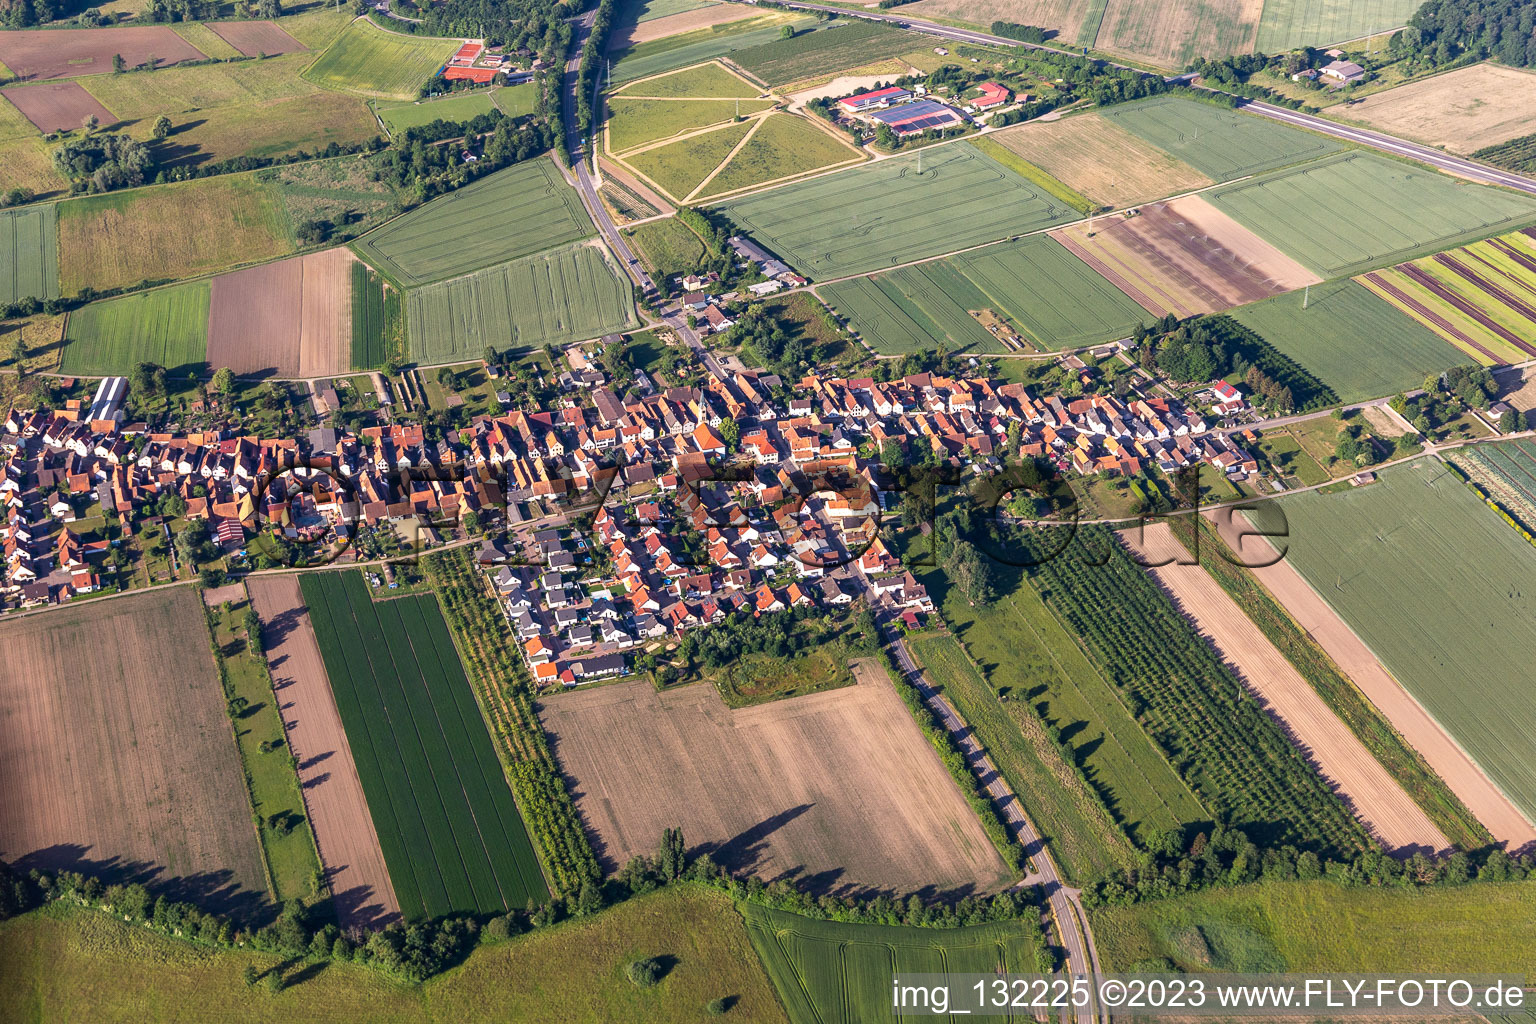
(70, 960)
(166, 325)
(1367, 552)
(1076, 22)
(37, 56)
(370, 317)
(1184, 257)
(794, 785)
(412, 114)
(669, 247)
(636, 121)
(1357, 344)
(783, 146)
(1323, 926)
(292, 318)
(710, 80)
(1462, 111)
(832, 971)
(1171, 34)
(136, 781)
(256, 38)
(702, 44)
(333, 794)
(569, 295)
(1221, 144)
(29, 253)
(658, 21)
(1506, 471)
(53, 106)
(679, 168)
(515, 212)
(1288, 24)
(27, 159)
(1375, 797)
(1481, 298)
(371, 61)
(1103, 161)
(440, 803)
(168, 232)
(838, 46)
(962, 198)
(1371, 211)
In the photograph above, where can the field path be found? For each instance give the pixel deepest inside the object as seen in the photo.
(1382, 805)
(1423, 733)
(333, 794)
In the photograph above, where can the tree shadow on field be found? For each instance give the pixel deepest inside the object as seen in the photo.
(214, 891)
(745, 850)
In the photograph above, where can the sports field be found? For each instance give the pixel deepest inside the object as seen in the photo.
(440, 802)
(29, 253)
(828, 971)
(1101, 160)
(368, 60)
(1480, 298)
(838, 46)
(1462, 111)
(569, 295)
(168, 232)
(1172, 33)
(1354, 212)
(1219, 143)
(1433, 581)
(783, 146)
(635, 121)
(460, 107)
(702, 44)
(168, 326)
(1358, 345)
(1288, 24)
(523, 209)
(863, 219)
(679, 168)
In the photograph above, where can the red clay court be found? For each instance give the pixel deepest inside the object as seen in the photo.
(254, 38)
(40, 56)
(56, 105)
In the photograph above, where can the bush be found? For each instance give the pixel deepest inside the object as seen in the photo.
(645, 973)
(717, 1007)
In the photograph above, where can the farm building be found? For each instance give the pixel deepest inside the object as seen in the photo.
(992, 95)
(1343, 72)
(913, 118)
(867, 101)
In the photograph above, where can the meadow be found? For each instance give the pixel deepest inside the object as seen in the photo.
(829, 971)
(371, 61)
(703, 44)
(1355, 212)
(1468, 109)
(515, 212)
(783, 146)
(863, 219)
(1323, 926)
(1432, 581)
(1221, 144)
(1172, 34)
(70, 960)
(636, 121)
(340, 190)
(29, 253)
(168, 232)
(168, 326)
(1357, 344)
(1288, 24)
(412, 114)
(669, 247)
(569, 295)
(445, 817)
(678, 168)
(27, 159)
(836, 47)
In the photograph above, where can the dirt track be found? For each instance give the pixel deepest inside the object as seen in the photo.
(333, 794)
(116, 755)
(1382, 805)
(1422, 732)
(292, 318)
(838, 789)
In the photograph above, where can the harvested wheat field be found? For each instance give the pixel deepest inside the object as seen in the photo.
(1463, 110)
(1103, 161)
(1075, 21)
(256, 38)
(333, 794)
(628, 34)
(36, 55)
(1355, 660)
(1172, 33)
(53, 106)
(117, 755)
(1184, 257)
(837, 789)
(292, 318)
(1381, 804)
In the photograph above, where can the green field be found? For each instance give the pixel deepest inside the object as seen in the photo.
(1433, 581)
(68, 964)
(705, 81)
(168, 326)
(838, 46)
(685, 48)
(524, 209)
(636, 121)
(457, 107)
(563, 296)
(1357, 344)
(1016, 163)
(678, 167)
(446, 822)
(1219, 143)
(1355, 212)
(368, 60)
(1289, 24)
(866, 218)
(369, 336)
(785, 145)
(1322, 926)
(29, 253)
(668, 246)
(650, 10)
(829, 971)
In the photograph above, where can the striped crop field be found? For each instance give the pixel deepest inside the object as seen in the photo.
(1480, 298)
(450, 831)
(1506, 471)
(29, 253)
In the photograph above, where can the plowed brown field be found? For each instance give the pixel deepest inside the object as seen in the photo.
(292, 318)
(59, 105)
(254, 38)
(838, 789)
(38, 55)
(116, 752)
(333, 794)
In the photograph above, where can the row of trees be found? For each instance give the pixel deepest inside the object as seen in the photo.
(1211, 347)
